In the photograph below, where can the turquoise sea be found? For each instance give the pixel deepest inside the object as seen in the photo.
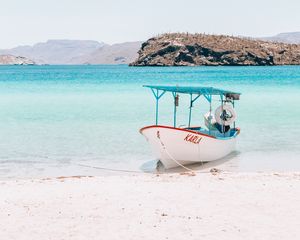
(55, 118)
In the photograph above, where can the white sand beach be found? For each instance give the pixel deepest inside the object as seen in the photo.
(142, 206)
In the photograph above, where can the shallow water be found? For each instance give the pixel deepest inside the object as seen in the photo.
(53, 118)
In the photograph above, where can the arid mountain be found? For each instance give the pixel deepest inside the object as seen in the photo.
(122, 53)
(289, 37)
(55, 51)
(182, 49)
(77, 52)
(13, 60)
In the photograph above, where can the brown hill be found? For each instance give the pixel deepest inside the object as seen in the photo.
(177, 49)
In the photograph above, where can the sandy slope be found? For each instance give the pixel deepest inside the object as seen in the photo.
(205, 206)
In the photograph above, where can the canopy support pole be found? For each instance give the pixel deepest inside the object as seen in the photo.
(223, 127)
(190, 114)
(175, 109)
(234, 121)
(209, 117)
(191, 105)
(157, 97)
(208, 97)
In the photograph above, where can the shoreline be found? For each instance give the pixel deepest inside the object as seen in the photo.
(213, 205)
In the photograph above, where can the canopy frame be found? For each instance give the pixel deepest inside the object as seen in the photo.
(207, 92)
(157, 96)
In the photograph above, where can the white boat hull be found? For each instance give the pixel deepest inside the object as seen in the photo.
(175, 146)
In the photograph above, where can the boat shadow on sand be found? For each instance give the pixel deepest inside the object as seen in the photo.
(155, 166)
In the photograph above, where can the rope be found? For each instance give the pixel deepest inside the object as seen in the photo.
(111, 169)
(83, 165)
(121, 170)
(178, 163)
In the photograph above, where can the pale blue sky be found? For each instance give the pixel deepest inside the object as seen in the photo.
(112, 21)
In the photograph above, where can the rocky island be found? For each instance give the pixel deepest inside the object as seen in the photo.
(15, 60)
(177, 49)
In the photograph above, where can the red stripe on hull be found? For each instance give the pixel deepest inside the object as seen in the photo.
(180, 129)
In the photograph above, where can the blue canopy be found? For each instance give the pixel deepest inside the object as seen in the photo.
(195, 90)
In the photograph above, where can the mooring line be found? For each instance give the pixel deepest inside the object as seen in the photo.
(118, 170)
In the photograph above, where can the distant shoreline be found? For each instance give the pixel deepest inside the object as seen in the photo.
(87, 65)
(74, 52)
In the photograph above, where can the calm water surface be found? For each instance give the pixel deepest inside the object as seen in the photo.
(53, 118)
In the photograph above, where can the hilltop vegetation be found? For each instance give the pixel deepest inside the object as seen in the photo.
(183, 49)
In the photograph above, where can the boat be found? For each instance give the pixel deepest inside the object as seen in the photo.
(176, 146)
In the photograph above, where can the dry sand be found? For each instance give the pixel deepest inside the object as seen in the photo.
(171, 206)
